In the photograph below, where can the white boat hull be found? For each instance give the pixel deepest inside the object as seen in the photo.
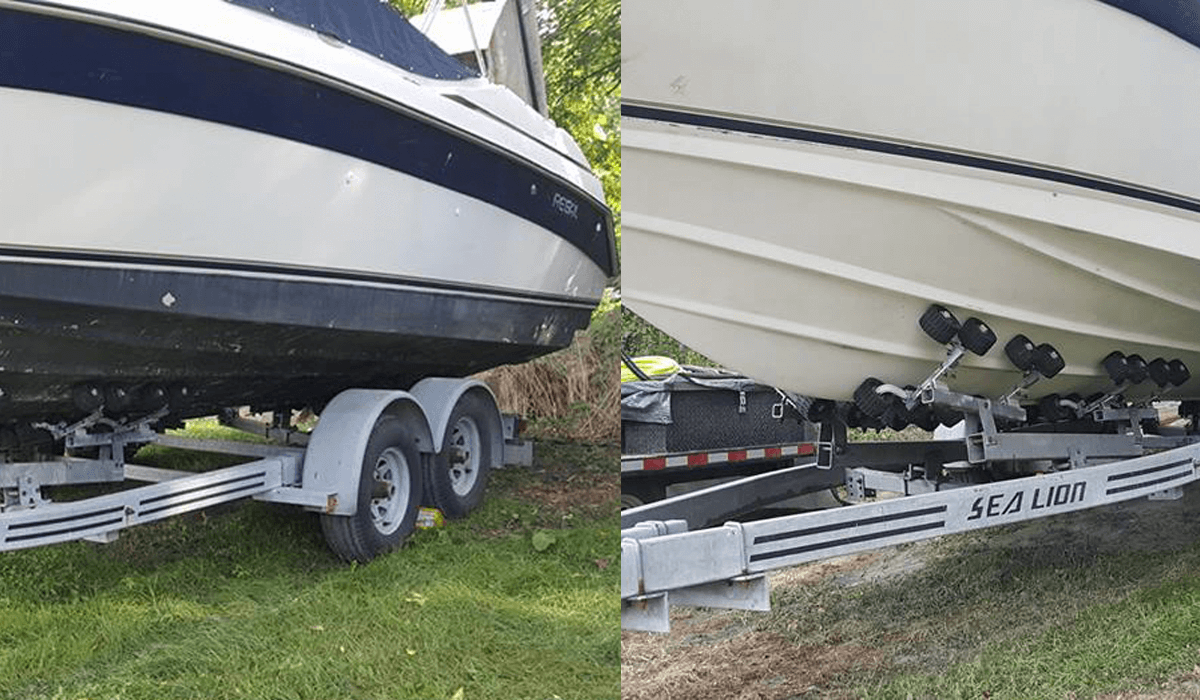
(143, 183)
(807, 264)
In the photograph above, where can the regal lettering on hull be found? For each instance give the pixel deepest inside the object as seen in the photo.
(1037, 498)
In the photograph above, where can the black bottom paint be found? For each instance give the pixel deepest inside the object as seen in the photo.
(248, 340)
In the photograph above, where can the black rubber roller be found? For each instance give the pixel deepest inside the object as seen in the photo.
(1159, 373)
(1051, 410)
(1048, 361)
(1116, 365)
(152, 397)
(923, 417)
(1137, 369)
(1178, 372)
(947, 416)
(976, 336)
(117, 398)
(1020, 351)
(87, 397)
(821, 410)
(868, 400)
(939, 324)
(896, 417)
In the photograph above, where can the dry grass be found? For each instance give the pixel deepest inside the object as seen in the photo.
(572, 394)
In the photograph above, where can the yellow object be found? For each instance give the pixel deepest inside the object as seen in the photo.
(429, 517)
(653, 366)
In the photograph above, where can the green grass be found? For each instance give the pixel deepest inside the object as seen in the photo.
(1134, 643)
(247, 602)
(1055, 609)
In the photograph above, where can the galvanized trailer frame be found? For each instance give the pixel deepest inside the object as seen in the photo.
(664, 564)
(321, 472)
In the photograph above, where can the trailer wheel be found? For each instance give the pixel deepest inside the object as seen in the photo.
(629, 500)
(389, 490)
(458, 475)
(638, 492)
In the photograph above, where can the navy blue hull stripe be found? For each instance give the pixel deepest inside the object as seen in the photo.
(898, 149)
(79, 59)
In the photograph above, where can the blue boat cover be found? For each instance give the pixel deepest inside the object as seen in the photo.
(1180, 17)
(372, 26)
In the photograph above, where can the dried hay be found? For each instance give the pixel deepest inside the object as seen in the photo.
(573, 394)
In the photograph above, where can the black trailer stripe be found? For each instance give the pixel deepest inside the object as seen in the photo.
(234, 480)
(861, 522)
(67, 518)
(64, 531)
(59, 55)
(675, 116)
(848, 540)
(1144, 484)
(1149, 470)
(249, 489)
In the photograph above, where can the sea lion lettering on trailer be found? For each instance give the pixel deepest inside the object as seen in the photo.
(1041, 497)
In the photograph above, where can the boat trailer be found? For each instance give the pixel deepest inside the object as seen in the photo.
(665, 564)
(1002, 469)
(373, 459)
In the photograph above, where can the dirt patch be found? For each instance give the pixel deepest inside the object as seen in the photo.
(582, 494)
(1182, 687)
(749, 666)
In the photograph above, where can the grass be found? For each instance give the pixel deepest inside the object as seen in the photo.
(246, 601)
(1055, 629)
(1057, 609)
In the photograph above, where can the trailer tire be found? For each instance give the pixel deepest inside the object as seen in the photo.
(630, 500)
(456, 487)
(389, 490)
(636, 493)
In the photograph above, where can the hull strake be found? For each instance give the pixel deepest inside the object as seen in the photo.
(814, 275)
(58, 55)
(64, 323)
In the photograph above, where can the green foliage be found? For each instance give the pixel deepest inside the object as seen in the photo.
(641, 338)
(581, 52)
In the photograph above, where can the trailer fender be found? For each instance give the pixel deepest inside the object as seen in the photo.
(439, 395)
(333, 461)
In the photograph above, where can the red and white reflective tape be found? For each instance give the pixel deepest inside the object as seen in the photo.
(708, 459)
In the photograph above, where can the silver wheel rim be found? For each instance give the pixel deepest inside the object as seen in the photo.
(390, 495)
(464, 472)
